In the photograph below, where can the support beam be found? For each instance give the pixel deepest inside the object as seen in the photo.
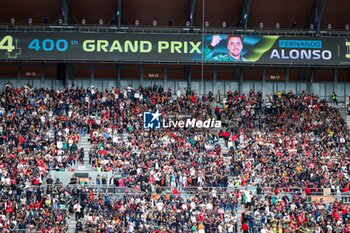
(236, 74)
(119, 69)
(18, 75)
(65, 11)
(165, 79)
(192, 10)
(335, 80)
(263, 83)
(119, 13)
(245, 14)
(287, 79)
(311, 81)
(68, 74)
(142, 72)
(42, 76)
(187, 74)
(92, 75)
(214, 81)
(240, 83)
(316, 14)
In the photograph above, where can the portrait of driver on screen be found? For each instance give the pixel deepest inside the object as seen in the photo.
(234, 45)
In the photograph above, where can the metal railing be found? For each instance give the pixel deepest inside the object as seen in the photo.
(192, 190)
(171, 30)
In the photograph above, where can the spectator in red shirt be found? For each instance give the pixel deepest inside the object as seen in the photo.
(226, 136)
(307, 191)
(245, 227)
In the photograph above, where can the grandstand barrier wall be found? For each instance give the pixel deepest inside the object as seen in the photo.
(322, 89)
(189, 192)
(65, 176)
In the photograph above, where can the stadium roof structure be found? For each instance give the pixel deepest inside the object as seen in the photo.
(242, 14)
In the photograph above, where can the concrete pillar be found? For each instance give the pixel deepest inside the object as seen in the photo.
(42, 76)
(118, 67)
(188, 76)
(214, 80)
(240, 83)
(287, 79)
(119, 12)
(165, 79)
(263, 83)
(65, 10)
(341, 96)
(192, 12)
(311, 81)
(335, 79)
(19, 69)
(141, 75)
(68, 73)
(92, 75)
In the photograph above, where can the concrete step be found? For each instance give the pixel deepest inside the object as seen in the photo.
(347, 119)
(85, 170)
(86, 145)
(84, 167)
(85, 142)
(71, 223)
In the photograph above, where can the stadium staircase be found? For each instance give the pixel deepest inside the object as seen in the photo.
(71, 223)
(344, 113)
(240, 208)
(86, 145)
(86, 167)
(125, 137)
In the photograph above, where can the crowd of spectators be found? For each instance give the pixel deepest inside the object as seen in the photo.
(284, 141)
(152, 212)
(211, 210)
(38, 133)
(180, 179)
(289, 141)
(295, 212)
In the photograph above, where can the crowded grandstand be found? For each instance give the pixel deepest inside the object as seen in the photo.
(117, 118)
(288, 147)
